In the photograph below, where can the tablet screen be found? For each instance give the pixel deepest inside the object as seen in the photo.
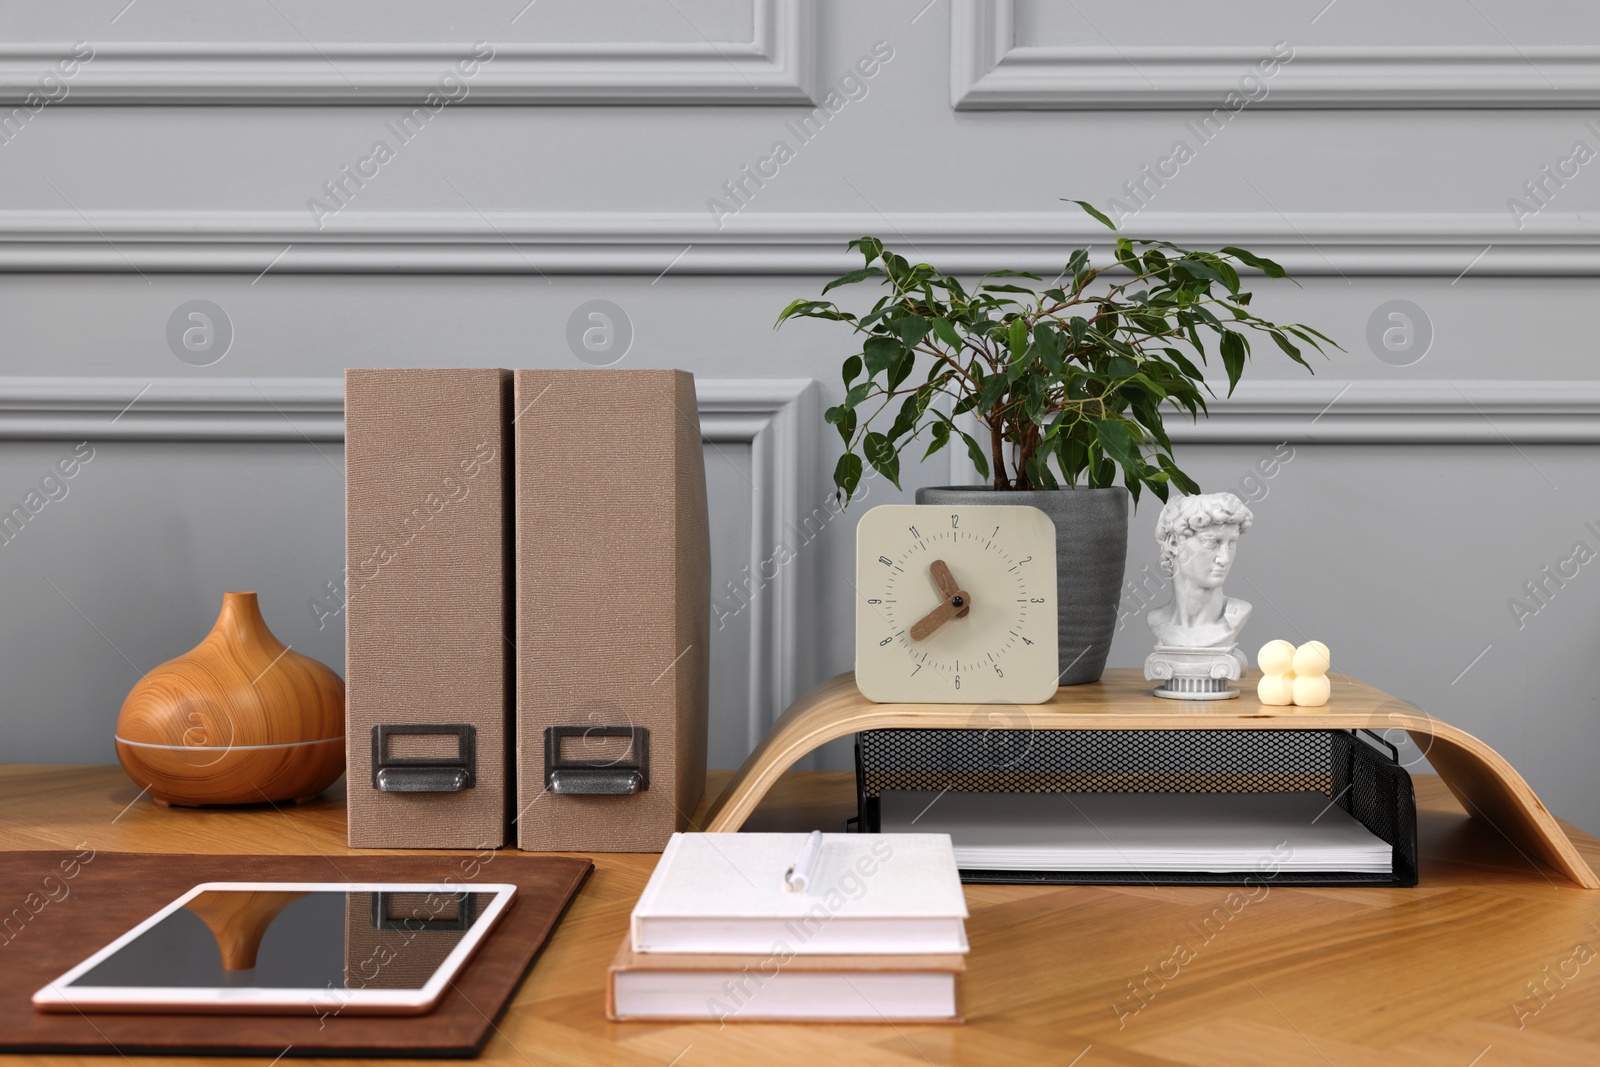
(260, 943)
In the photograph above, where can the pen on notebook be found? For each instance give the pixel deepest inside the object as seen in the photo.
(798, 876)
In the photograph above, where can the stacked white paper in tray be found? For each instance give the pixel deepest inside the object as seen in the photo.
(1206, 832)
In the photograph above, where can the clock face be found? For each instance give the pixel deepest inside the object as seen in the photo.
(956, 604)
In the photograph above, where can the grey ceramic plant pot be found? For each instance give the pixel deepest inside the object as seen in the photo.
(1091, 553)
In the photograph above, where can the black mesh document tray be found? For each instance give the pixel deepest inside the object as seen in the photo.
(1365, 781)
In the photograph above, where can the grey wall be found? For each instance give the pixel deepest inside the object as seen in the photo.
(1388, 159)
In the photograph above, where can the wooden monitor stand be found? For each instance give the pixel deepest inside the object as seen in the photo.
(1487, 786)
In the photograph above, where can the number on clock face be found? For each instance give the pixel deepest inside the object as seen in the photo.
(956, 604)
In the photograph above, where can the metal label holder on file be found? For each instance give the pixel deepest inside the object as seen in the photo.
(622, 776)
(424, 774)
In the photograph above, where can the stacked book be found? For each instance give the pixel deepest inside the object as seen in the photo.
(837, 927)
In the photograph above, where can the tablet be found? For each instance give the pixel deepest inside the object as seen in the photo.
(362, 948)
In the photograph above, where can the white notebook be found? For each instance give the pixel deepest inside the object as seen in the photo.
(867, 893)
(1211, 832)
(722, 988)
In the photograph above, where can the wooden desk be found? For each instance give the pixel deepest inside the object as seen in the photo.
(1345, 977)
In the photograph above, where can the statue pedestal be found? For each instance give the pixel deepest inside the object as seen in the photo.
(1195, 673)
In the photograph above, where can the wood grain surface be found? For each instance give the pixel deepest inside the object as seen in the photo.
(240, 717)
(1491, 961)
(1485, 784)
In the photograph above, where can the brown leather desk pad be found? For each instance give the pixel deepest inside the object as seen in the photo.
(68, 918)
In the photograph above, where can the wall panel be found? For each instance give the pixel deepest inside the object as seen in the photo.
(1424, 153)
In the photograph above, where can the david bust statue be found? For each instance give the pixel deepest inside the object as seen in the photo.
(1197, 634)
(1199, 537)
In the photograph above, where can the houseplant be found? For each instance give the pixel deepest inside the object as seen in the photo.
(1068, 382)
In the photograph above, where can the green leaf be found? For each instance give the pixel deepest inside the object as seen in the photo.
(901, 370)
(845, 419)
(994, 387)
(1033, 404)
(910, 414)
(1230, 277)
(1072, 455)
(1017, 337)
(860, 274)
(1198, 268)
(1189, 370)
(1179, 479)
(1260, 263)
(1289, 347)
(880, 354)
(1049, 343)
(870, 247)
(1115, 442)
(1149, 417)
(1102, 473)
(1234, 350)
(812, 309)
(979, 460)
(883, 457)
(847, 474)
(852, 367)
(941, 437)
(1095, 214)
(911, 328)
(1300, 326)
(1037, 468)
(946, 333)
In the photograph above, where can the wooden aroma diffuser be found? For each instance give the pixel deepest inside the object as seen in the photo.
(239, 719)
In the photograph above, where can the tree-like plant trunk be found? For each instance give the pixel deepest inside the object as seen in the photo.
(997, 448)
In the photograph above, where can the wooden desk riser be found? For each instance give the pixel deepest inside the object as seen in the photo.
(1494, 959)
(1484, 783)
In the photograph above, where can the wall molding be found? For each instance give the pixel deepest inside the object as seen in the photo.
(172, 409)
(657, 244)
(776, 418)
(780, 417)
(776, 67)
(1399, 411)
(779, 420)
(1382, 412)
(989, 71)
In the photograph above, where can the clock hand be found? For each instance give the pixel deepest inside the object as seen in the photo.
(948, 587)
(954, 607)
